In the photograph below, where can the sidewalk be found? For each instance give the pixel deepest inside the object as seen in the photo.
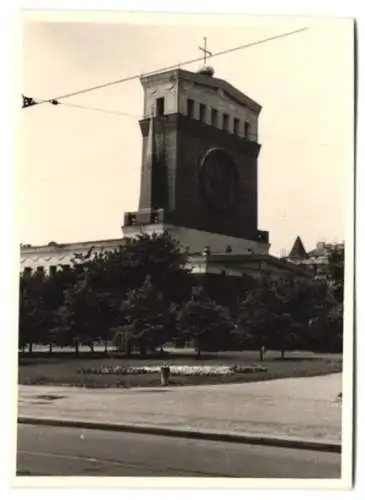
(301, 408)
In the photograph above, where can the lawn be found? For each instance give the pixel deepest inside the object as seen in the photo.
(45, 369)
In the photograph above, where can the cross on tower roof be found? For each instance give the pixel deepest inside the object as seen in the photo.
(205, 50)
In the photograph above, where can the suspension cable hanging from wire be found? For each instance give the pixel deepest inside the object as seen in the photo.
(30, 101)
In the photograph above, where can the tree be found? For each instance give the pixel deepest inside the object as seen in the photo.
(88, 300)
(336, 274)
(256, 313)
(55, 287)
(317, 303)
(32, 312)
(112, 275)
(146, 317)
(160, 257)
(335, 320)
(226, 290)
(336, 271)
(78, 319)
(273, 315)
(283, 332)
(206, 322)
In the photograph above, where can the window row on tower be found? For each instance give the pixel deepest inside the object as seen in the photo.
(210, 116)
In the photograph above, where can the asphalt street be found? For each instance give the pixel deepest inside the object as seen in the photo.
(60, 451)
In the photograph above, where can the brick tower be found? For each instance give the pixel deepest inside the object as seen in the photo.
(199, 164)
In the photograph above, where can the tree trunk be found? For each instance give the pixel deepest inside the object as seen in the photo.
(128, 347)
(30, 347)
(105, 346)
(50, 348)
(23, 348)
(76, 348)
(142, 349)
(282, 353)
(92, 347)
(262, 353)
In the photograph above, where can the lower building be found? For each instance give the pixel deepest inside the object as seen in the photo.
(55, 256)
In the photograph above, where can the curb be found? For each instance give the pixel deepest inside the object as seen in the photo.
(282, 442)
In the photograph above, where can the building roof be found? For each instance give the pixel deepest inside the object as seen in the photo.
(298, 251)
(206, 80)
(76, 245)
(260, 259)
(323, 249)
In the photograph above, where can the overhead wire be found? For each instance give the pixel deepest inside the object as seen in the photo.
(101, 110)
(31, 102)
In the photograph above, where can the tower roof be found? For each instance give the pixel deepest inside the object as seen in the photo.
(207, 80)
(298, 250)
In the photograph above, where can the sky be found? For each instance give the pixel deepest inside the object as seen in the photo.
(79, 170)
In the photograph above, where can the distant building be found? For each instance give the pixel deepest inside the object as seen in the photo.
(297, 253)
(316, 260)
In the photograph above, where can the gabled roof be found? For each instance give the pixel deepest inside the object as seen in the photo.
(298, 250)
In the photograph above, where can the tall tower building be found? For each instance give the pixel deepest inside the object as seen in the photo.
(200, 149)
(199, 164)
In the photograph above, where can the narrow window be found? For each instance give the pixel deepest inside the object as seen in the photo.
(214, 117)
(190, 108)
(225, 122)
(40, 269)
(27, 270)
(202, 112)
(52, 270)
(236, 126)
(247, 130)
(160, 106)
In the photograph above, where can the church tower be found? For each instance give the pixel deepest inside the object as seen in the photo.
(199, 164)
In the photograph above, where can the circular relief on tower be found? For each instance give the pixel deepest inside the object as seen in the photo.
(218, 179)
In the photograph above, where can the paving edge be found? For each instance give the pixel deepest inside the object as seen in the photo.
(264, 440)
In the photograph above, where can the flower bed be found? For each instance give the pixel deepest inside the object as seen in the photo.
(202, 370)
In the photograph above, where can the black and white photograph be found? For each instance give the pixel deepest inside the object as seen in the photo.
(185, 223)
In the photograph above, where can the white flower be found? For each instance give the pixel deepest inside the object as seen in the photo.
(207, 370)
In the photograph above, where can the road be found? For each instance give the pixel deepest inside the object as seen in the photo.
(75, 452)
